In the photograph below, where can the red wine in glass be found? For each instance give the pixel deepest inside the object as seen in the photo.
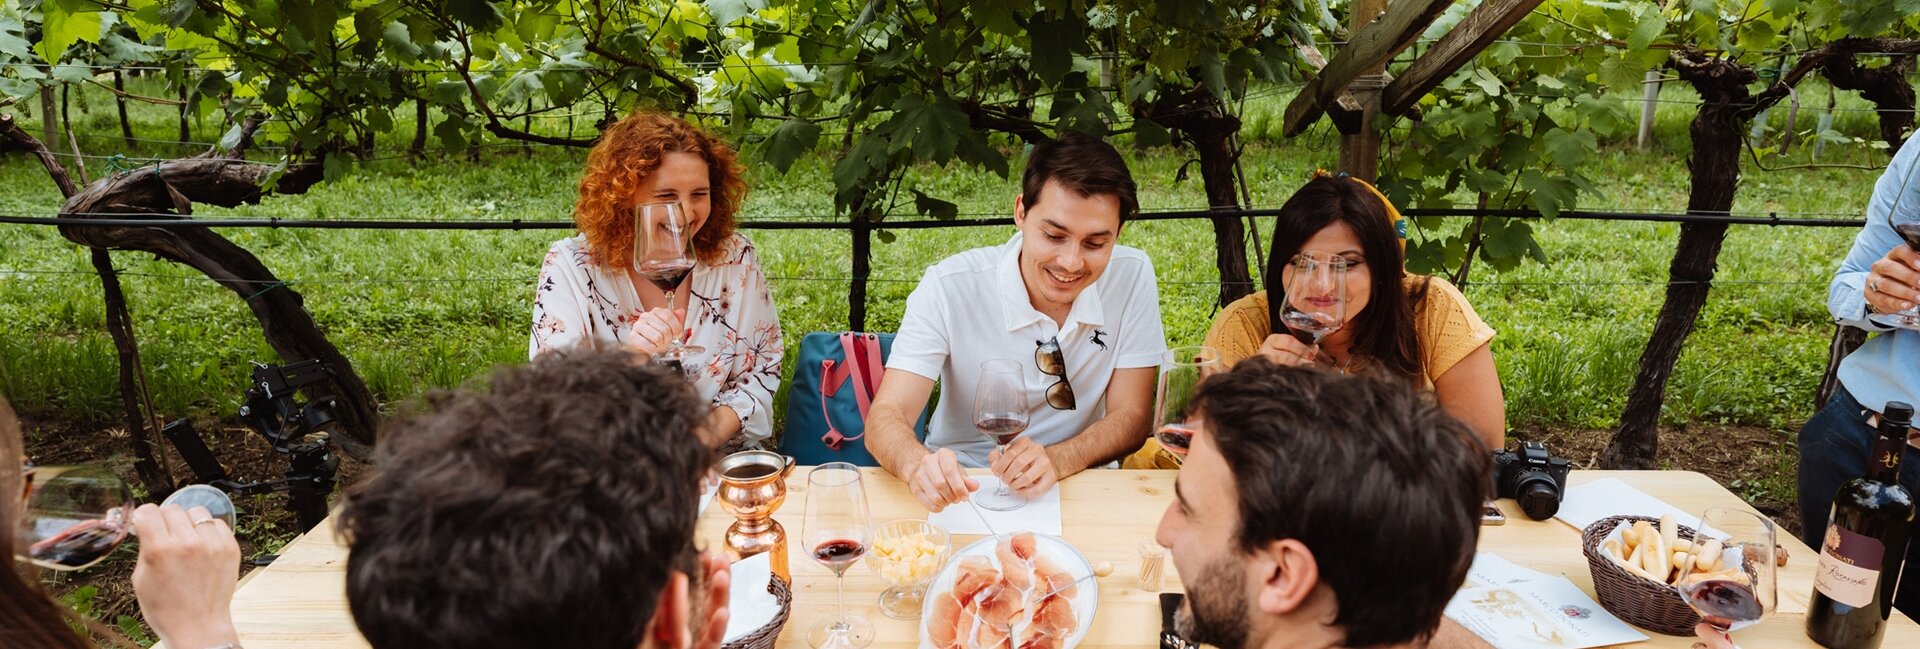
(1003, 430)
(1310, 327)
(1176, 437)
(837, 554)
(1723, 603)
(79, 546)
(1910, 232)
(665, 275)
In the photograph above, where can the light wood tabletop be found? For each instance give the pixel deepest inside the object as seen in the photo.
(300, 602)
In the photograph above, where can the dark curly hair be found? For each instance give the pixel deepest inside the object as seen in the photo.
(1381, 485)
(629, 151)
(549, 510)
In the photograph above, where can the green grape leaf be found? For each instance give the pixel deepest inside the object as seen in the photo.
(1649, 28)
(1569, 148)
(790, 140)
(727, 12)
(934, 207)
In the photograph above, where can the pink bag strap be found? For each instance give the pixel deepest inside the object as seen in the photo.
(862, 353)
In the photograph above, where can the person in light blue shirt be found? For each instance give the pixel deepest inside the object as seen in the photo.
(1879, 277)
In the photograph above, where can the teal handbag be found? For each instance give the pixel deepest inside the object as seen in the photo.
(833, 384)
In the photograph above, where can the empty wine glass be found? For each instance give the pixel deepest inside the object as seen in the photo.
(1731, 581)
(1181, 370)
(837, 533)
(77, 515)
(1000, 412)
(1316, 300)
(663, 254)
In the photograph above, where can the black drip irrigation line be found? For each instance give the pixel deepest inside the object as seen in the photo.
(121, 220)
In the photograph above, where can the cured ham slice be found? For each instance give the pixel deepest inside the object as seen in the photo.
(1016, 560)
(943, 627)
(1052, 578)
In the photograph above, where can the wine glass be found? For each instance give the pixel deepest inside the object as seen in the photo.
(836, 534)
(1316, 299)
(1181, 370)
(663, 254)
(1910, 318)
(1000, 412)
(77, 515)
(1731, 583)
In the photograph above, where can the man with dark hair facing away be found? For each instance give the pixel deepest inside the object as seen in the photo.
(1320, 510)
(1078, 312)
(555, 508)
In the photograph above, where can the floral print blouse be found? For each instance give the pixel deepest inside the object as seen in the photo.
(730, 312)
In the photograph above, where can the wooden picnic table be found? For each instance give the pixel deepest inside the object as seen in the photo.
(300, 602)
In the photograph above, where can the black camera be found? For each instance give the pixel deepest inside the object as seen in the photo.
(1533, 477)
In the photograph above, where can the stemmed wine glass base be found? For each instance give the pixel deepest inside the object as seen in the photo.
(999, 500)
(849, 632)
(678, 354)
(902, 603)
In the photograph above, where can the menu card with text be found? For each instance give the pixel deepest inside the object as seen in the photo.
(1516, 608)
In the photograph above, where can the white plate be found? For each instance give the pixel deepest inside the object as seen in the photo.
(1086, 594)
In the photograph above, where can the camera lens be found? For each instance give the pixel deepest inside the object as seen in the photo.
(1538, 496)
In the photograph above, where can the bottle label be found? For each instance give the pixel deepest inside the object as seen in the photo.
(1849, 569)
(1885, 460)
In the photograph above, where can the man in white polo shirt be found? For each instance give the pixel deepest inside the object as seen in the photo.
(1078, 312)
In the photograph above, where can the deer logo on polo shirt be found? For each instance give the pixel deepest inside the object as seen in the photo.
(1097, 333)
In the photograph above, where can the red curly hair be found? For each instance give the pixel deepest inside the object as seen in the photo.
(629, 151)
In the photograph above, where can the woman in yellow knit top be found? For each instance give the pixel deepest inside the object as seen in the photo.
(1398, 323)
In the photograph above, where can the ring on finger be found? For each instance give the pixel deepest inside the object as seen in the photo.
(1873, 285)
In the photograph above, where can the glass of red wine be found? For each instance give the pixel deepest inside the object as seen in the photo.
(663, 255)
(77, 515)
(1910, 318)
(1316, 299)
(836, 533)
(1181, 370)
(1731, 583)
(1000, 412)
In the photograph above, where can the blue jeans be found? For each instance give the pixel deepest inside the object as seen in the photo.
(1833, 449)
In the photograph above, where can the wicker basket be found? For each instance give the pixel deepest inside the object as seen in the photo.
(1638, 600)
(764, 637)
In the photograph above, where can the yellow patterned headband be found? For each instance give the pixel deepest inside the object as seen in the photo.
(1393, 214)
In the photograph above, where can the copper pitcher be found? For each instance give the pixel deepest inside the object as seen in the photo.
(753, 484)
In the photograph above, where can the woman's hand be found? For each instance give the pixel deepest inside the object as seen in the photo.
(1891, 282)
(1284, 349)
(188, 568)
(656, 330)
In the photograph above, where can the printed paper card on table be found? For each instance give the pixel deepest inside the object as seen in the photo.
(1542, 613)
(1040, 515)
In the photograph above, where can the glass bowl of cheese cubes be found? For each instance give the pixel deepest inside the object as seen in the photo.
(906, 554)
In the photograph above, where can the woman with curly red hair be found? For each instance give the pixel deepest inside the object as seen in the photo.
(589, 292)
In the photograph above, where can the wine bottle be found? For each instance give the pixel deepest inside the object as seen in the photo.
(1865, 545)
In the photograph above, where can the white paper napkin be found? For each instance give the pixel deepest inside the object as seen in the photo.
(1588, 503)
(749, 603)
(1041, 515)
(706, 497)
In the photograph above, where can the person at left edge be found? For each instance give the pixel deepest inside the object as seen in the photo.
(588, 292)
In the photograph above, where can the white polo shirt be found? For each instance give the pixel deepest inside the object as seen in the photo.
(973, 307)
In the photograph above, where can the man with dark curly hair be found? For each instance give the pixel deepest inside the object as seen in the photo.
(1321, 510)
(555, 508)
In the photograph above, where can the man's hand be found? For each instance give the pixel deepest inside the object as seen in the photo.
(188, 568)
(1892, 284)
(655, 330)
(1025, 467)
(710, 627)
(937, 480)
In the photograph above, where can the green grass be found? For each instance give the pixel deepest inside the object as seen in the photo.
(415, 309)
